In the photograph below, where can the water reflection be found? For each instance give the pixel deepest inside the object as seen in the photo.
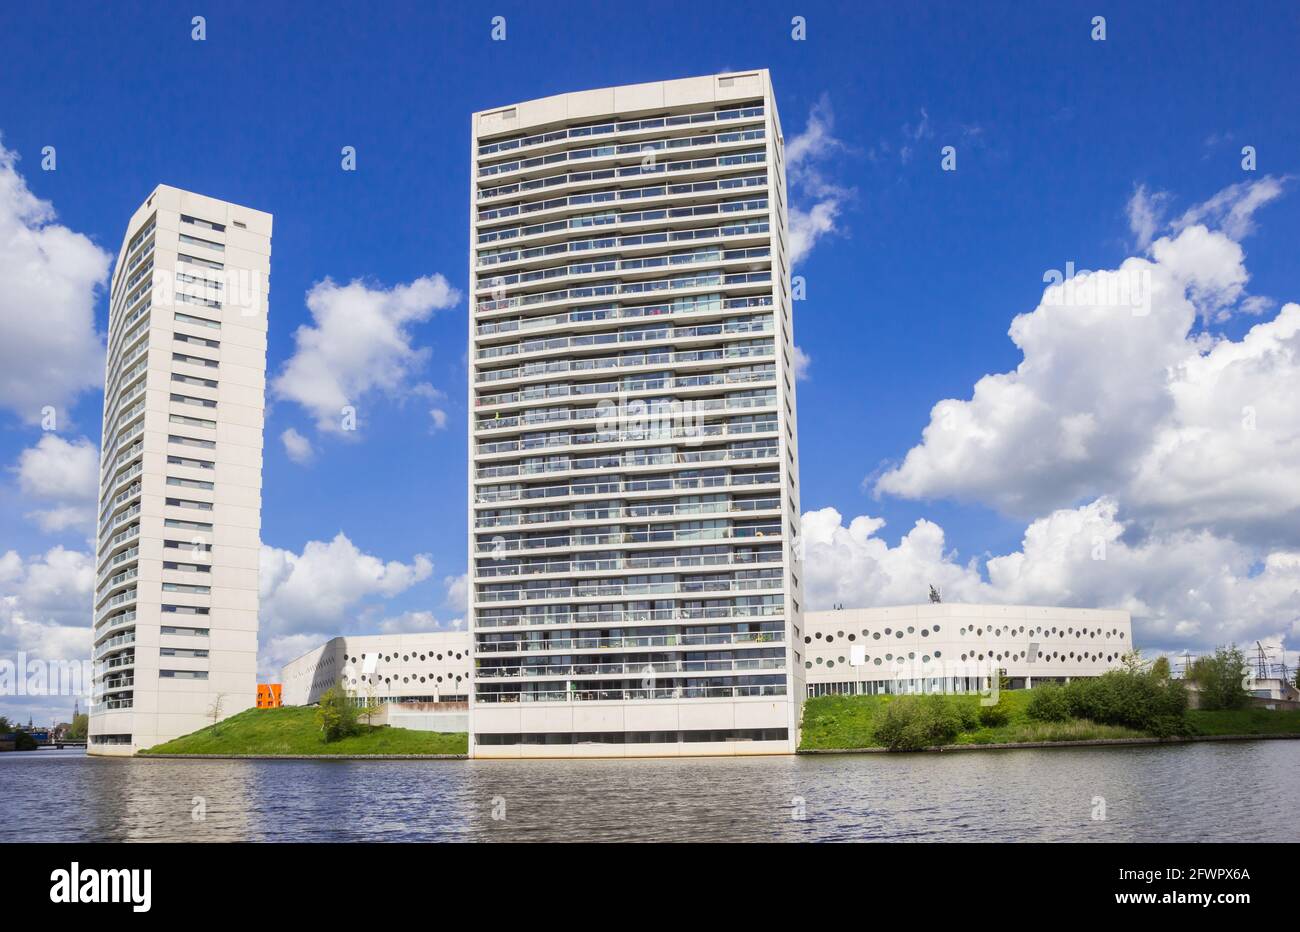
(1229, 791)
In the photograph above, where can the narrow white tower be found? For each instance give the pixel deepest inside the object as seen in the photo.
(633, 457)
(175, 607)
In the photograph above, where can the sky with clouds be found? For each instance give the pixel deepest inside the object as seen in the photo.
(967, 418)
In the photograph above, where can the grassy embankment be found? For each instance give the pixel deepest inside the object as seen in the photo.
(836, 722)
(293, 731)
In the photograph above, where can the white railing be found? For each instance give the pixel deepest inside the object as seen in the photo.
(634, 148)
(584, 642)
(629, 241)
(618, 128)
(644, 512)
(631, 695)
(629, 460)
(625, 669)
(649, 358)
(712, 588)
(627, 563)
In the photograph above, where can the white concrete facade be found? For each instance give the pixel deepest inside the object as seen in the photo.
(176, 596)
(430, 667)
(956, 647)
(633, 443)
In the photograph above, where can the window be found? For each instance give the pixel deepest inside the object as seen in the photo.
(187, 503)
(187, 525)
(185, 610)
(207, 243)
(206, 224)
(191, 442)
(190, 483)
(191, 400)
(197, 321)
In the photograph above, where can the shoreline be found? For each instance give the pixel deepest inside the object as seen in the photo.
(1085, 743)
(937, 749)
(146, 756)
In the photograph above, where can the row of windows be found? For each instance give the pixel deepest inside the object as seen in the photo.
(972, 631)
(634, 737)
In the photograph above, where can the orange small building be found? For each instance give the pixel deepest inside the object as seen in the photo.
(268, 696)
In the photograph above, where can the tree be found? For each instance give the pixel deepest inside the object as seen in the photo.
(1219, 679)
(1160, 668)
(80, 725)
(1132, 661)
(370, 704)
(336, 714)
(214, 710)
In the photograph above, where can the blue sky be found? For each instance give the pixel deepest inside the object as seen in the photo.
(910, 295)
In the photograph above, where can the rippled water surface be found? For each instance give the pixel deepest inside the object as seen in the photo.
(1224, 792)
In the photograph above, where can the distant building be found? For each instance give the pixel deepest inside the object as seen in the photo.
(950, 647)
(269, 696)
(406, 668)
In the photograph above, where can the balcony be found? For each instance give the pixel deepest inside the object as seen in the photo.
(626, 387)
(588, 488)
(630, 243)
(654, 359)
(630, 669)
(113, 644)
(627, 461)
(603, 290)
(601, 440)
(556, 229)
(767, 533)
(569, 205)
(678, 590)
(615, 129)
(704, 563)
(636, 151)
(525, 643)
(634, 695)
(642, 512)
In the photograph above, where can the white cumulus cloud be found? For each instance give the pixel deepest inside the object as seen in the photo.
(359, 343)
(321, 588)
(60, 478)
(297, 447)
(50, 279)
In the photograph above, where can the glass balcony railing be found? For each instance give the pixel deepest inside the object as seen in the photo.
(600, 244)
(652, 562)
(638, 149)
(633, 695)
(615, 128)
(632, 459)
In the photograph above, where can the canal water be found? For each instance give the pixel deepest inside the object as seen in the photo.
(1231, 791)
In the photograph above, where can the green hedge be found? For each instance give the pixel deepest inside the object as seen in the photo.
(1133, 699)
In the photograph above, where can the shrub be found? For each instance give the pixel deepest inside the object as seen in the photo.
(968, 714)
(1130, 698)
(1219, 679)
(996, 715)
(1048, 703)
(336, 714)
(910, 723)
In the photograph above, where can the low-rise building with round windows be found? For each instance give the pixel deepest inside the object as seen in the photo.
(398, 668)
(952, 647)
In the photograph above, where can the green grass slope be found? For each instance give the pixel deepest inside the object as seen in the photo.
(293, 730)
(840, 722)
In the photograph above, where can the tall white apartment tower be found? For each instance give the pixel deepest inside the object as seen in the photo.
(633, 459)
(175, 607)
